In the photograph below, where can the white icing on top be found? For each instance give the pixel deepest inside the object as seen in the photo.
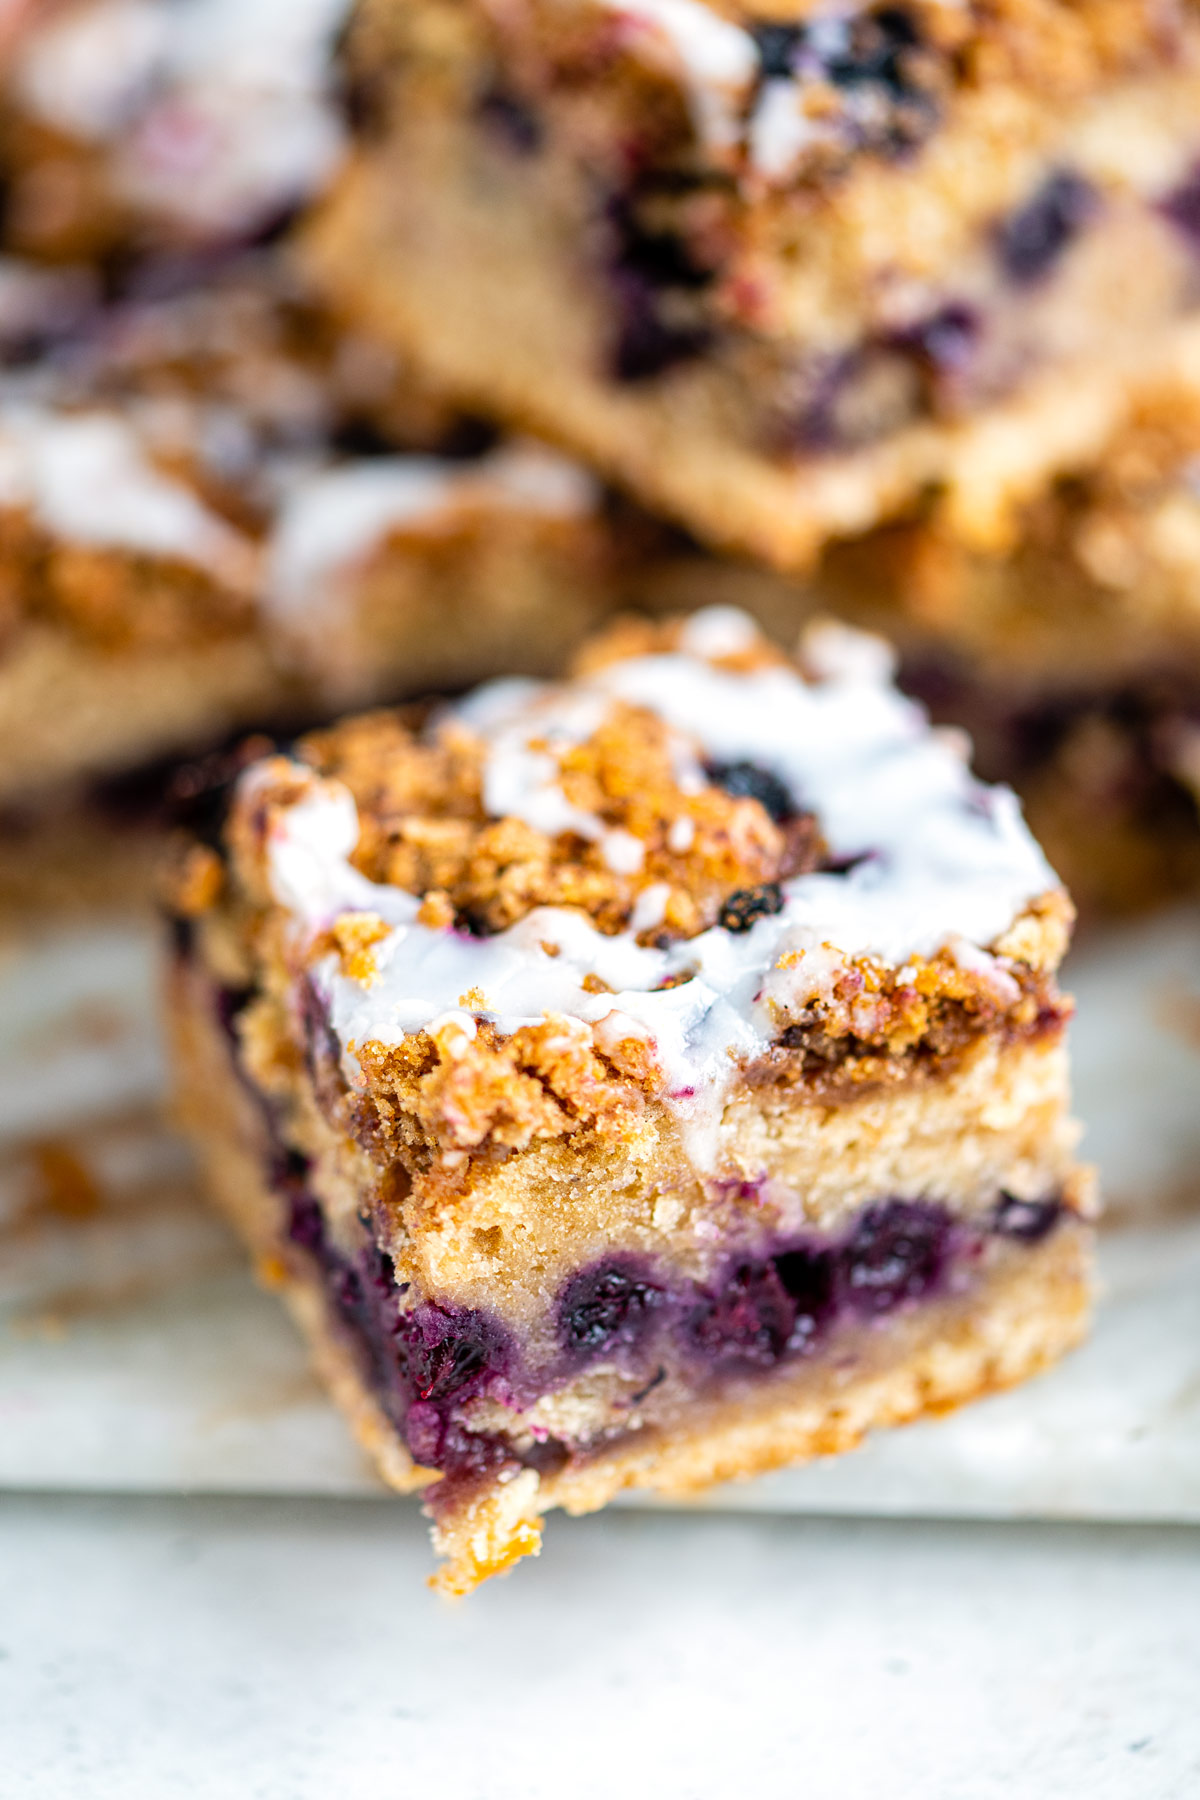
(717, 60)
(780, 130)
(85, 477)
(89, 69)
(332, 520)
(946, 863)
(218, 111)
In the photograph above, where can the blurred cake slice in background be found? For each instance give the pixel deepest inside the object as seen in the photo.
(781, 278)
(1070, 653)
(136, 124)
(208, 521)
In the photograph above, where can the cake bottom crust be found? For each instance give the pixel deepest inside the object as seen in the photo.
(1030, 1308)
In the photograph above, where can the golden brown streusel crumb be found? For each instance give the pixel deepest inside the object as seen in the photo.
(544, 1081)
(355, 934)
(423, 827)
(879, 1025)
(1100, 533)
(630, 635)
(195, 880)
(114, 600)
(558, 1078)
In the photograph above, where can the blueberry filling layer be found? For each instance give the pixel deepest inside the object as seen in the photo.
(423, 1362)
(428, 1362)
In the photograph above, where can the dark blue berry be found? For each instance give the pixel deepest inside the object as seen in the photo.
(231, 1004)
(662, 258)
(750, 1320)
(897, 1253)
(846, 865)
(306, 1225)
(467, 1458)
(747, 905)
(646, 346)
(512, 120)
(808, 1276)
(346, 1291)
(1032, 240)
(1183, 208)
(1026, 1220)
(871, 59)
(874, 48)
(779, 48)
(651, 270)
(183, 936)
(750, 781)
(449, 1352)
(473, 923)
(604, 1307)
(945, 342)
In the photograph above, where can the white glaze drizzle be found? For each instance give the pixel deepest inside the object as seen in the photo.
(780, 131)
(949, 865)
(332, 520)
(218, 111)
(89, 69)
(86, 479)
(716, 60)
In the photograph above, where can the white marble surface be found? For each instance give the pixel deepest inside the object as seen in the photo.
(287, 1650)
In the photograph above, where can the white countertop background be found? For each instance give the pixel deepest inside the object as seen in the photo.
(288, 1650)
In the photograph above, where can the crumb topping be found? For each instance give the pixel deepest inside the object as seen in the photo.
(645, 847)
(176, 472)
(779, 93)
(844, 898)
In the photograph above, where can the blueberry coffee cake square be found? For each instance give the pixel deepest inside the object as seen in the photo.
(781, 269)
(646, 1079)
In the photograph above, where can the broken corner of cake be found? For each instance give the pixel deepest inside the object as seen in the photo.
(644, 1080)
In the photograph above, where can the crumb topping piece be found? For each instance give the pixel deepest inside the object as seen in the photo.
(623, 824)
(779, 92)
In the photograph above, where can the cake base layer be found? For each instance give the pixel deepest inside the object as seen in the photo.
(1029, 1307)
(70, 710)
